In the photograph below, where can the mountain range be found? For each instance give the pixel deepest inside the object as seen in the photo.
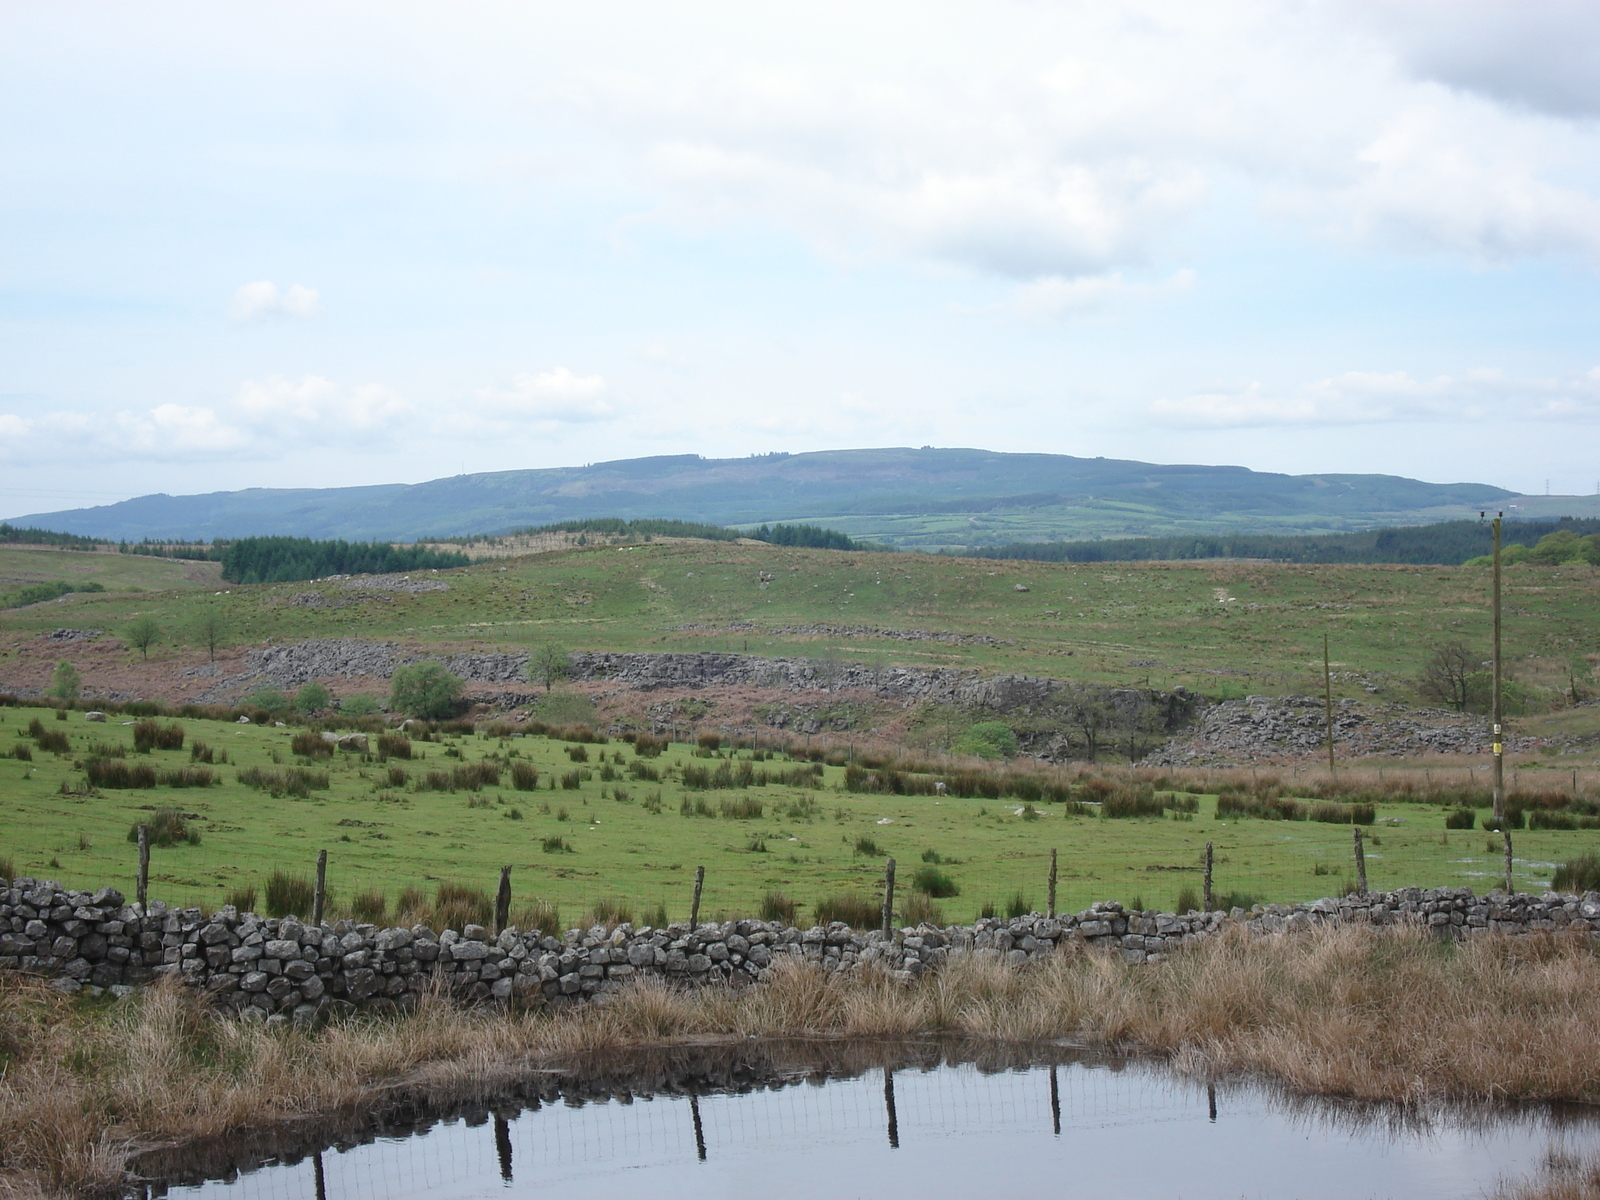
(922, 498)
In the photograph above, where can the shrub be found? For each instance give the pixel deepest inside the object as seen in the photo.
(243, 898)
(695, 808)
(270, 700)
(609, 913)
(852, 908)
(424, 689)
(115, 773)
(644, 772)
(555, 845)
(1581, 874)
(311, 744)
(932, 856)
(167, 828)
(1231, 900)
(709, 741)
(313, 697)
(396, 777)
(201, 753)
(54, 741)
(1331, 812)
(988, 739)
(570, 780)
(1018, 906)
(412, 902)
(1264, 805)
(457, 728)
(149, 735)
(541, 915)
(775, 906)
(370, 906)
(474, 776)
(917, 909)
(185, 777)
(577, 754)
(621, 796)
(456, 905)
(393, 745)
(646, 746)
(746, 808)
(1462, 818)
(932, 882)
(296, 781)
(65, 683)
(1131, 802)
(22, 752)
(756, 845)
(524, 776)
(1188, 901)
(1514, 819)
(289, 895)
(360, 706)
(869, 847)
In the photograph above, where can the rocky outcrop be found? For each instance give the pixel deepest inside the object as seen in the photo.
(1263, 728)
(287, 969)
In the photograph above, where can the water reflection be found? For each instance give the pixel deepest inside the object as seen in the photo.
(809, 1119)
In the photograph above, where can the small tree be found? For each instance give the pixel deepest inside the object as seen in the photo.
(1450, 675)
(424, 689)
(142, 634)
(209, 630)
(1088, 713)
(65, 683)
(549, 665)
(312, 698)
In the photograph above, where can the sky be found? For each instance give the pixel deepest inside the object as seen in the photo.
(314, 245)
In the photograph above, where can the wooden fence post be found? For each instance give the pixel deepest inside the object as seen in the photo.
(144, 867)
(1506, 833)
(502, 901)
(1206, 899)
(321, 893)
(1361, 863)
(1050, 904)
(888, 895)
(694, 908)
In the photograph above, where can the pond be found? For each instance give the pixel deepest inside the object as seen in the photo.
(927, 1121)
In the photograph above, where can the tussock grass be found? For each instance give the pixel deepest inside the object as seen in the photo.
(1354, 1013)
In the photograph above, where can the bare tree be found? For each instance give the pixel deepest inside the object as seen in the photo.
(142, 634)
(1449, 676)
(549, 664)
(1142, 727)
(210, 629)
(1090, 715)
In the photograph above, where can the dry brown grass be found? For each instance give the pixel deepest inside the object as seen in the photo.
(1353, 1012)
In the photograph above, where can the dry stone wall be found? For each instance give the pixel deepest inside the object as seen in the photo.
(272, 969)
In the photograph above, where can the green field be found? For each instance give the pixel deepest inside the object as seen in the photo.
(384, 835)
(1217, 627)
(22, 565)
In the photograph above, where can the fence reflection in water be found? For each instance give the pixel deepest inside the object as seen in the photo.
(1053, 1130)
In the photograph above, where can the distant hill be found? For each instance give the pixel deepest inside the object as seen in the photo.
(924, 498)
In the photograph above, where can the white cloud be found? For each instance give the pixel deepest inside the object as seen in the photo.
(1055, 295)
(1361, 398)
(1066, 142)
(264, 299)
(558, 395)
(277, 405)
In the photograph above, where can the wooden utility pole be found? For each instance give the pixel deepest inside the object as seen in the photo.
(694, 907)
(1327, 694)
(1499, 744)
(888, 895)
(321, 893)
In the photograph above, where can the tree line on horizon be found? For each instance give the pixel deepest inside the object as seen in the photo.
(1446, 543)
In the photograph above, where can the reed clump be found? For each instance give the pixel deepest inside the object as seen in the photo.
(1358, 1013)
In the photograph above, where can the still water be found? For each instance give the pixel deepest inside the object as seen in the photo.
(930, 1130)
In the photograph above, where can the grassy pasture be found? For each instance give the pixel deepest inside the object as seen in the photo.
(22, 565)
(388, 836)
(1220, 627)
